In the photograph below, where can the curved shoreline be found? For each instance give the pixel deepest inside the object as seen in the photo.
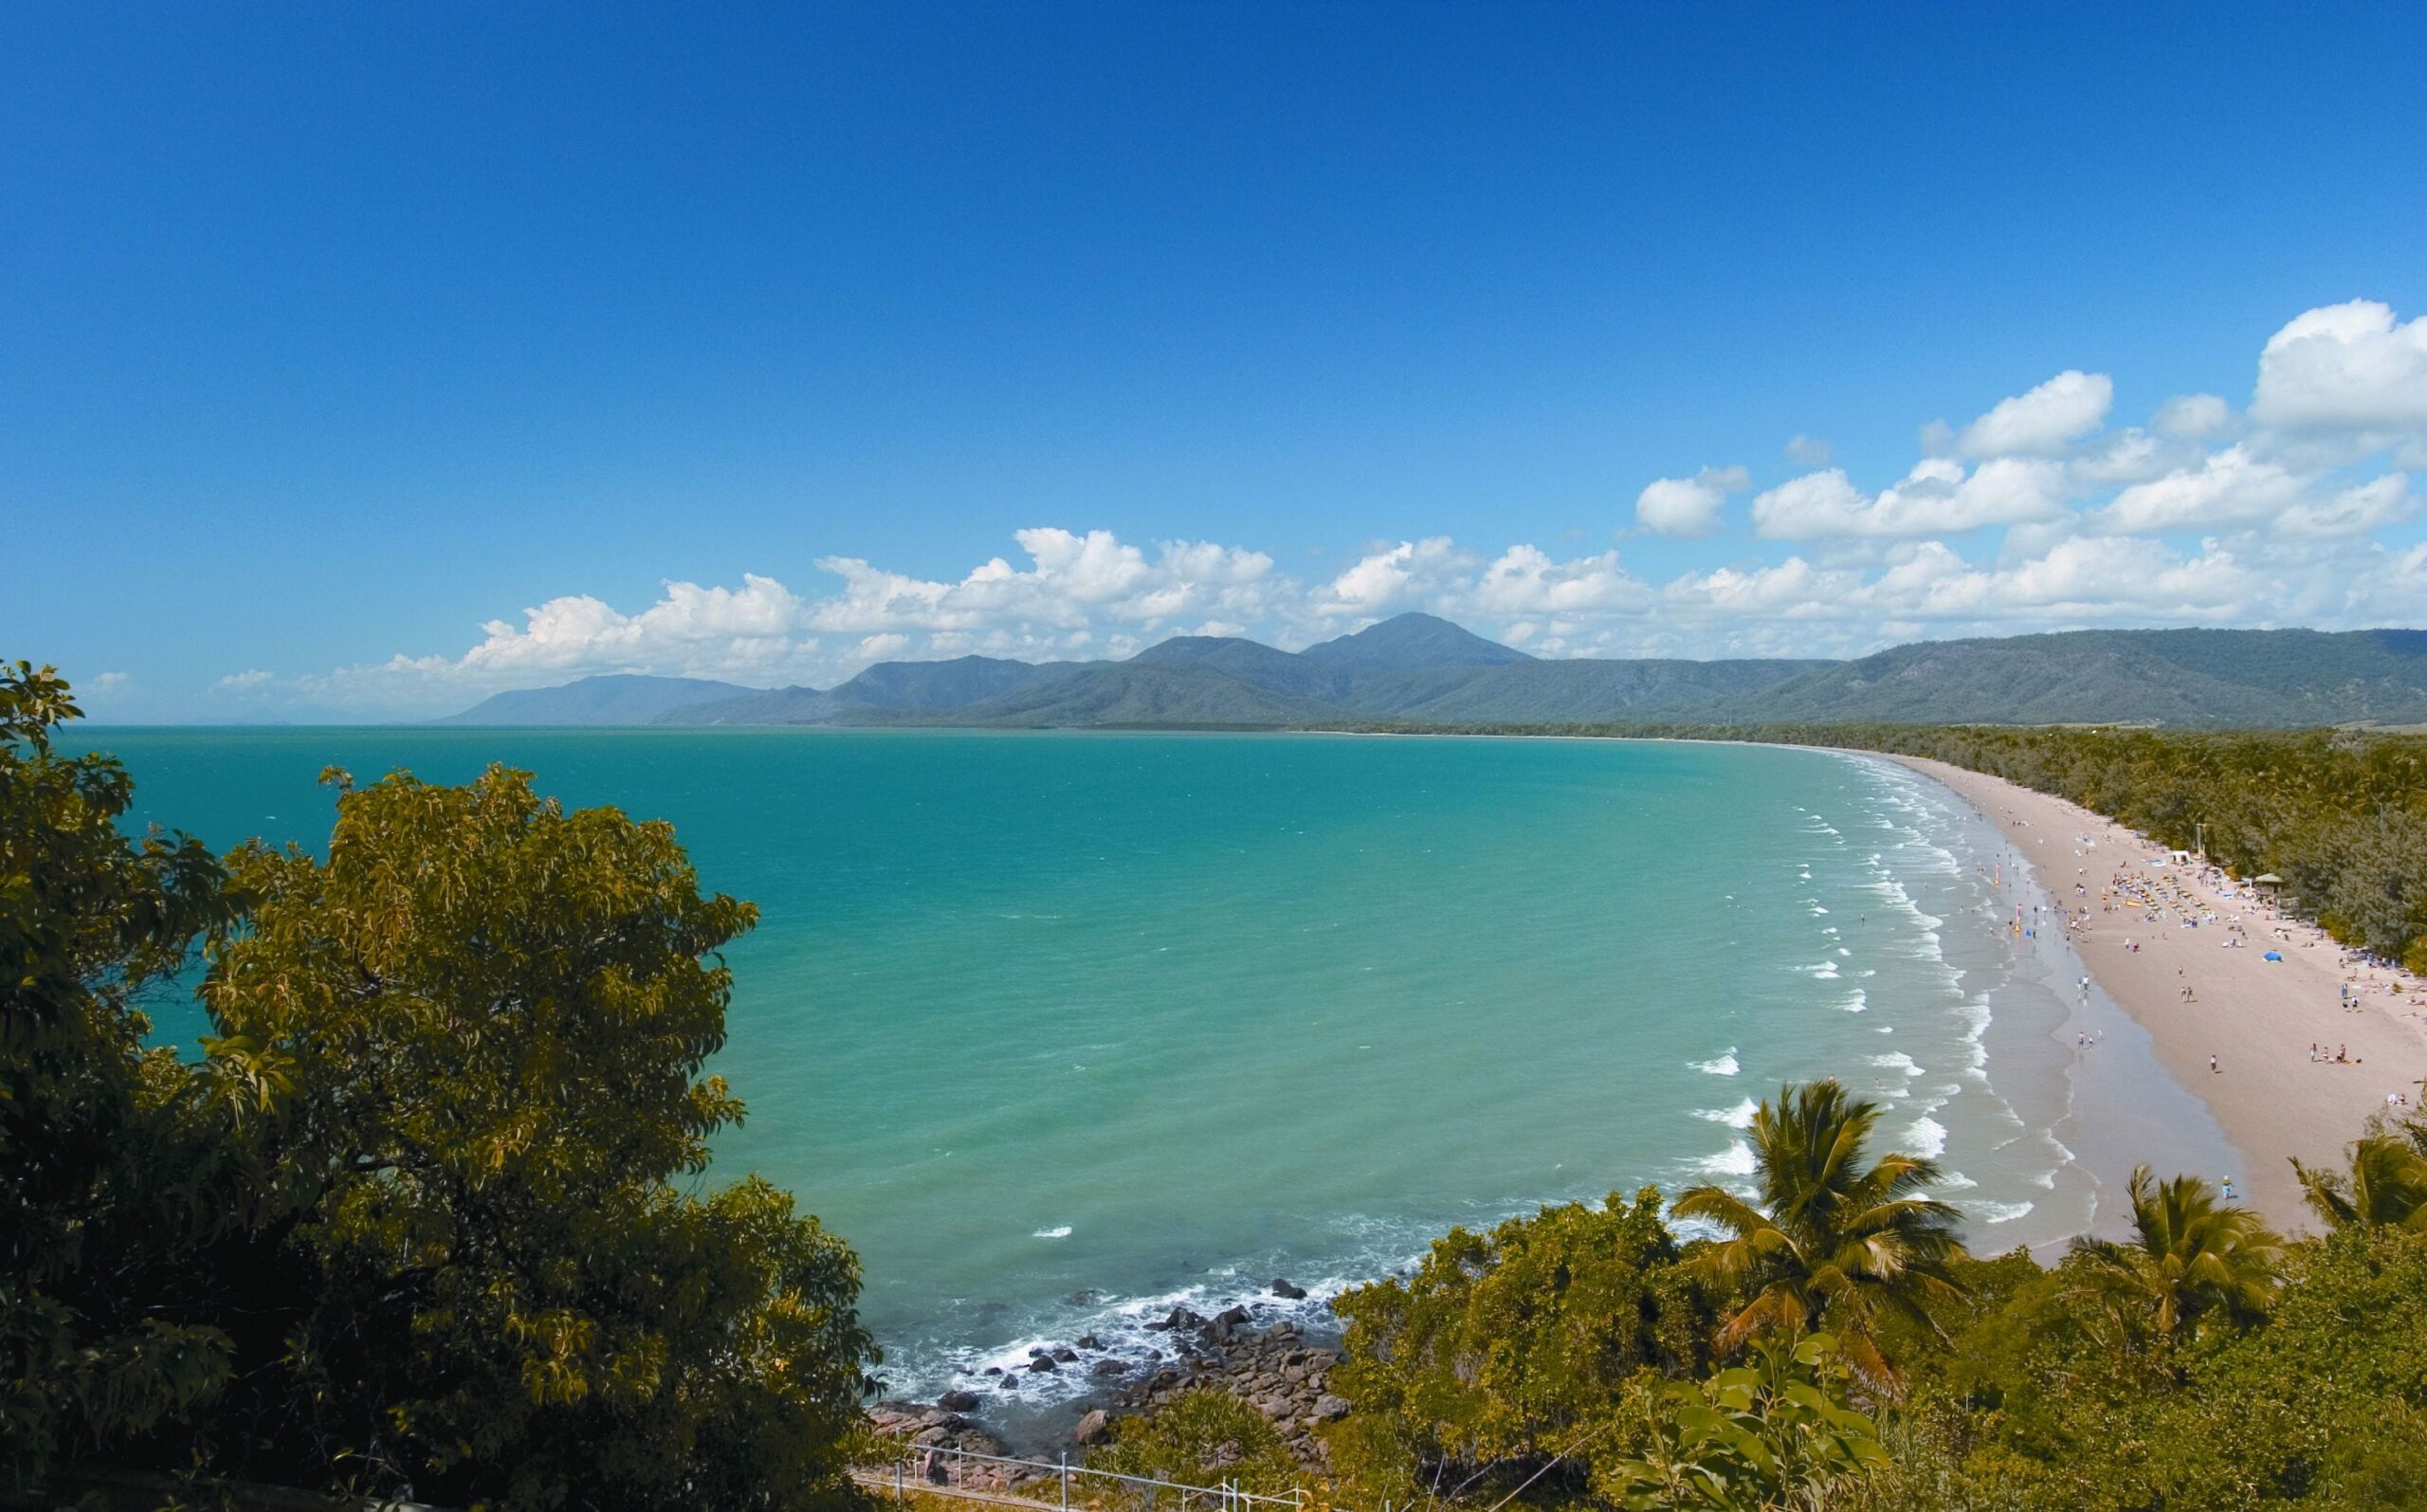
(2113, 1103)
(2257, 1017)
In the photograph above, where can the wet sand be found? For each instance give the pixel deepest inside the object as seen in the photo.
(2258, 1018)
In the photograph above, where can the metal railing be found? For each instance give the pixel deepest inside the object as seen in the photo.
(936, 1470)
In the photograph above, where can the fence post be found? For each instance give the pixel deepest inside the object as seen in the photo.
(900, 1469)
(1065, 1458)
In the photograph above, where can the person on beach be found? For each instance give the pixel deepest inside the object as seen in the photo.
(2212, 1066)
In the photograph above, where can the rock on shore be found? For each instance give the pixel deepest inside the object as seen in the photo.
(1275, 1369)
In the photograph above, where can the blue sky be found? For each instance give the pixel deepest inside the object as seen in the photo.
(357, 360)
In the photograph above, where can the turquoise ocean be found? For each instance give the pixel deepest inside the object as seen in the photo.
(1063, 1030)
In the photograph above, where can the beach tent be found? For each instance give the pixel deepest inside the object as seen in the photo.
(2267, 880)
(2274, 955)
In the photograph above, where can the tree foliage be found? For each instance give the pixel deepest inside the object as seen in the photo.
(2053, 1400)
(413, 1225)
(1772, 1433)
(1511, 1347)
(2192, 1258)
(2386, 1184)
(1832, 1243)
(100, 1173)
(1203, 1437)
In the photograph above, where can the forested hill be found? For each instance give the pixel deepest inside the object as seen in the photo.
(613, 700)
(1421, 669)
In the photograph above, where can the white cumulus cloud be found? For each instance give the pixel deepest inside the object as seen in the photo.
(1689, 506)
(1937, 496)
(2345, 367)
(1386, 581)
(2042, 422)
(2377, 502)
(2194, 417)
(2232, 486)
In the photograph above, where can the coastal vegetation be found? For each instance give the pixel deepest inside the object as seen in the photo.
(1833, 1244)
(2203, 1362)
(424, 1218)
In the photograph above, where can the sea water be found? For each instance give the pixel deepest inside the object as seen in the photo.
(1062, 1030)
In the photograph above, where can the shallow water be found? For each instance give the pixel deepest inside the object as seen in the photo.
(1061, 1030)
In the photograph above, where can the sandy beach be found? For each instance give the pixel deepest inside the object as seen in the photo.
(2196, 978)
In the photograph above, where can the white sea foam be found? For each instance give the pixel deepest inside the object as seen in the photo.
(1989, 1212)
(1928, 1135)
(1739, 1117)
(1896, 1061)
(1736, 1160)
(1061, 1232)
(1856, 1002)
(1956, 1181)
(1722, 1064)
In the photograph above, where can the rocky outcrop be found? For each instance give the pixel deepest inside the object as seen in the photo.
(1275, 1370)
(928, 1433)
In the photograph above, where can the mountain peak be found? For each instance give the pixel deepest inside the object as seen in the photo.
(1413, 642)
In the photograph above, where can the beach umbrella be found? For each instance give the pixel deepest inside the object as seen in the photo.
(2274, 955)
(2267, 880)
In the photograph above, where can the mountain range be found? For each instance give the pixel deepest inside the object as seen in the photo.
(1421, 669)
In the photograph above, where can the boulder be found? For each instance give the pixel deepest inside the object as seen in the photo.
(1281, 1287)
(1109, 1366)
(1092, 1427)
(1090, 1341)
(1065, 1353)
(1043, 1363)
(1328, 1407)
(957, 1401)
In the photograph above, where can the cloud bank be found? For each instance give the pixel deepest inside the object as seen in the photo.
(2033, 515)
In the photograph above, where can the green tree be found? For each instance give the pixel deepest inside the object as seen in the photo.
(1773, 1433)
(2191, 1257)
(494, 1016)
(102, 1183)
(1509, 1346)
(2046, 1404)
(2387, 1183)
(1835, 1242)
(1202, 1436)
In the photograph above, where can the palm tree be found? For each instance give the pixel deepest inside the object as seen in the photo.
(2191, 1255)
(1834, 1242)
(2387, 1184)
